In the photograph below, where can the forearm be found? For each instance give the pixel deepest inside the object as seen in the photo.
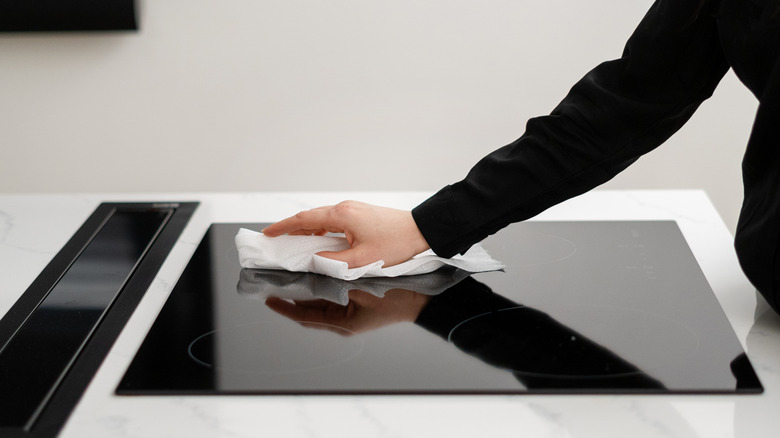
(617, 112)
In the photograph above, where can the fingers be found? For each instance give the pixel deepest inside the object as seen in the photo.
(306, 233)
(373, 233)
(355, 257)
(282, 307)
(313, 311)
(317, 221)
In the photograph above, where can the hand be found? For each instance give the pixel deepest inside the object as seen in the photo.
(373, 233)
(364, 312)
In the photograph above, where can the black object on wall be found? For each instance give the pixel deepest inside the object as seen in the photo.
(67, 15)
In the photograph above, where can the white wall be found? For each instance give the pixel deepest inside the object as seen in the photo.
(257, 95)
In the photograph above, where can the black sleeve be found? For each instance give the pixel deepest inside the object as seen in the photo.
(617, 112)
(757, 239)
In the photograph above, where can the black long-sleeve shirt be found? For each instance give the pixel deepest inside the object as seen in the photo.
(623, 109)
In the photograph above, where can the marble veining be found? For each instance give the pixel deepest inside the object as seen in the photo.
(6, 224)
(101, 413)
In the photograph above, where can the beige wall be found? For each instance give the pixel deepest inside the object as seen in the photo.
(237, 95)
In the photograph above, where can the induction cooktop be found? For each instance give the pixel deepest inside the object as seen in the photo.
(581, 307)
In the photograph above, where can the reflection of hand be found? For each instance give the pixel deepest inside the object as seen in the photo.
(374, 233)
(364, 312)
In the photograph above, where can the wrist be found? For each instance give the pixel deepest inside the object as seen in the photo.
(417, 241)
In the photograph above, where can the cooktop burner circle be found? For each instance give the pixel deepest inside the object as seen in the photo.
(268, 347)
(578, 341)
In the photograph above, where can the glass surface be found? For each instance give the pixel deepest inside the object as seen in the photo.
(581, 307)
(39, 354)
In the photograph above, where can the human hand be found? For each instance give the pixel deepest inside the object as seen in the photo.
(364, 312)
(373, 233)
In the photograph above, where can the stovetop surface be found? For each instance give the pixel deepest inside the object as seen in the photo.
(581, 307)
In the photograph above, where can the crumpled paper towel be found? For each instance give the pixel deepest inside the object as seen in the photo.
(299, 254)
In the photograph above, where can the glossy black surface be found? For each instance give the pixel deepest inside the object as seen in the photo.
(582, 307)
(40, 353)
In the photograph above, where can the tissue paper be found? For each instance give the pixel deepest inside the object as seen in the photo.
(299, 254)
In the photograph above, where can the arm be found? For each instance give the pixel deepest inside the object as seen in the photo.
(617, 112)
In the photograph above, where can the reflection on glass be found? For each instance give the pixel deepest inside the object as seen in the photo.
(262, 283)
(538, 350)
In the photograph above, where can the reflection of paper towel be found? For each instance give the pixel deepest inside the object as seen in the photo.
(263, 283)
(299, 254)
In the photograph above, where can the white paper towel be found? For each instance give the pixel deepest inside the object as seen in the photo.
(299, 254)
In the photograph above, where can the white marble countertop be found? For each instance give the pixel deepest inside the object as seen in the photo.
(34, 227)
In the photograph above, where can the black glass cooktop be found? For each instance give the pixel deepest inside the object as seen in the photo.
(581, 307)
